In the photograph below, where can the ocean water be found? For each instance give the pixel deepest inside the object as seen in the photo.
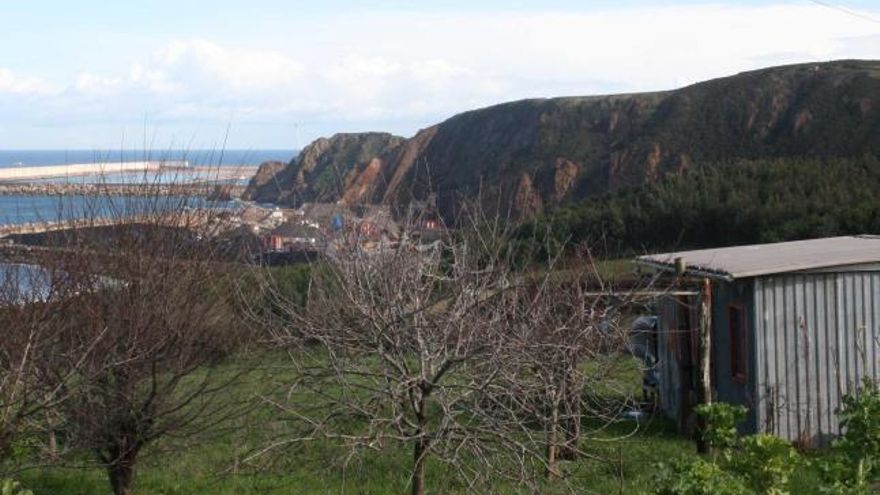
(213, 158)
(21, 283)
(17, 209)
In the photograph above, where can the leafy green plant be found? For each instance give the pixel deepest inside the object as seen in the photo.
(860, 423)
(755, 464)
(721, 420)
(766, 463)
(12, 487)
(697, 477)
(854, 462)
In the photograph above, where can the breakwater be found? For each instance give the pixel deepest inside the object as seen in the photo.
(125, 179)
(201, 189)
(79, 169)
(194, 219)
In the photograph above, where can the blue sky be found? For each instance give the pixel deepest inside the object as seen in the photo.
(97, 74)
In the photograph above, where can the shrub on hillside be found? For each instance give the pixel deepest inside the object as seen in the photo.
(766, 463)
(11, 487)
(698, 477)
(853, 465)
(754, 464)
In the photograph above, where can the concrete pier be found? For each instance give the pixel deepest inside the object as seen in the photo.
(160, 178)
(80, 169)
(203, 189)
(192, 219)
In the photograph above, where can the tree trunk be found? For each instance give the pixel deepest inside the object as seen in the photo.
(553, 437)
(121, 470)
(52, 439)
(419, 461)
(572, 423)
(420, 447)
(7, 435)
(52, 444)
(552, 448)
(571, 443)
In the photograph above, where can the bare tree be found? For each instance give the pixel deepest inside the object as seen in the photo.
(148, 296)
(451, 350)
(26, 324)
(567, 343)
(404, 339)
(31, 311)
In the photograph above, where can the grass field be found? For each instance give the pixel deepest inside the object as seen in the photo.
(212, 462)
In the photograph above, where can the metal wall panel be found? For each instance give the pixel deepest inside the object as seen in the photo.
(677, 316)
(819, 336)
(667, 361)
(726, 387)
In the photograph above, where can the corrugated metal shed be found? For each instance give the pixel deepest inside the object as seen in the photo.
(816, 336)
(766, 259)
(810, 313)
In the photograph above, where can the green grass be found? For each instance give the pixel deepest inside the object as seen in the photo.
(212, 462)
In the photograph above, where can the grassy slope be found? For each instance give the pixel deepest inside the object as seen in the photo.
(206, 465)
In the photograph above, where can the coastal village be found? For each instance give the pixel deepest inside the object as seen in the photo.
(315, 228)
(280, 234)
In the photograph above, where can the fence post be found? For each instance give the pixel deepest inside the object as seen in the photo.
(704, 374)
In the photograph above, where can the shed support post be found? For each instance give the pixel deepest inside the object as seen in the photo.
(704, 374)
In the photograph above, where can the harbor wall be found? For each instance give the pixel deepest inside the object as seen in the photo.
(51, 171)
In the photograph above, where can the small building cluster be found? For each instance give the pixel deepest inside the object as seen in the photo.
(318, 227)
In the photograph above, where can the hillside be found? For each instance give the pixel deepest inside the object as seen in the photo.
(722, 204)
(541, 153)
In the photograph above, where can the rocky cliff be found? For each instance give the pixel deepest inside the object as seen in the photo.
(537, 154)
(263, 183)
(326, 170)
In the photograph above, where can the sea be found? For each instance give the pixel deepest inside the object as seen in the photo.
(16, 209)
(22, 283)
(199, 157)
(25, 282)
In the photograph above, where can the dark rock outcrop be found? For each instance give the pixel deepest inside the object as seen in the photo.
(264, 184)
(324, 171)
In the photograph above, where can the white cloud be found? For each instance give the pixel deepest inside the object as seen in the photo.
(404, 70)
(92, 83)
(240, 69)
(17, 84)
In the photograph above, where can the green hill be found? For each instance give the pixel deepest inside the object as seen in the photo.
(739, 202)
(535, 156)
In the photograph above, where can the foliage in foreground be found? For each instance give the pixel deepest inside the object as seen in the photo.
(11, 487)
(854, 464)
(764, 464)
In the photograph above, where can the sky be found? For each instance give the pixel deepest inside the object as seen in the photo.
(263, 74)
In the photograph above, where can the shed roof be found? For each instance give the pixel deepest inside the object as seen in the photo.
(766, 259)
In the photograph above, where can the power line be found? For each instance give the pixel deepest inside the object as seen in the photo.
(845, 10)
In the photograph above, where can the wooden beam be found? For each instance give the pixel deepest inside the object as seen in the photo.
(704, 375)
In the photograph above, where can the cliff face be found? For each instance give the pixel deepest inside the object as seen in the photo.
(263, 182)
(326, 170)
(537, 154)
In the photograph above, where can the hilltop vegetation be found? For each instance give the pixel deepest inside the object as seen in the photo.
(538, 155)
(738, 202)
